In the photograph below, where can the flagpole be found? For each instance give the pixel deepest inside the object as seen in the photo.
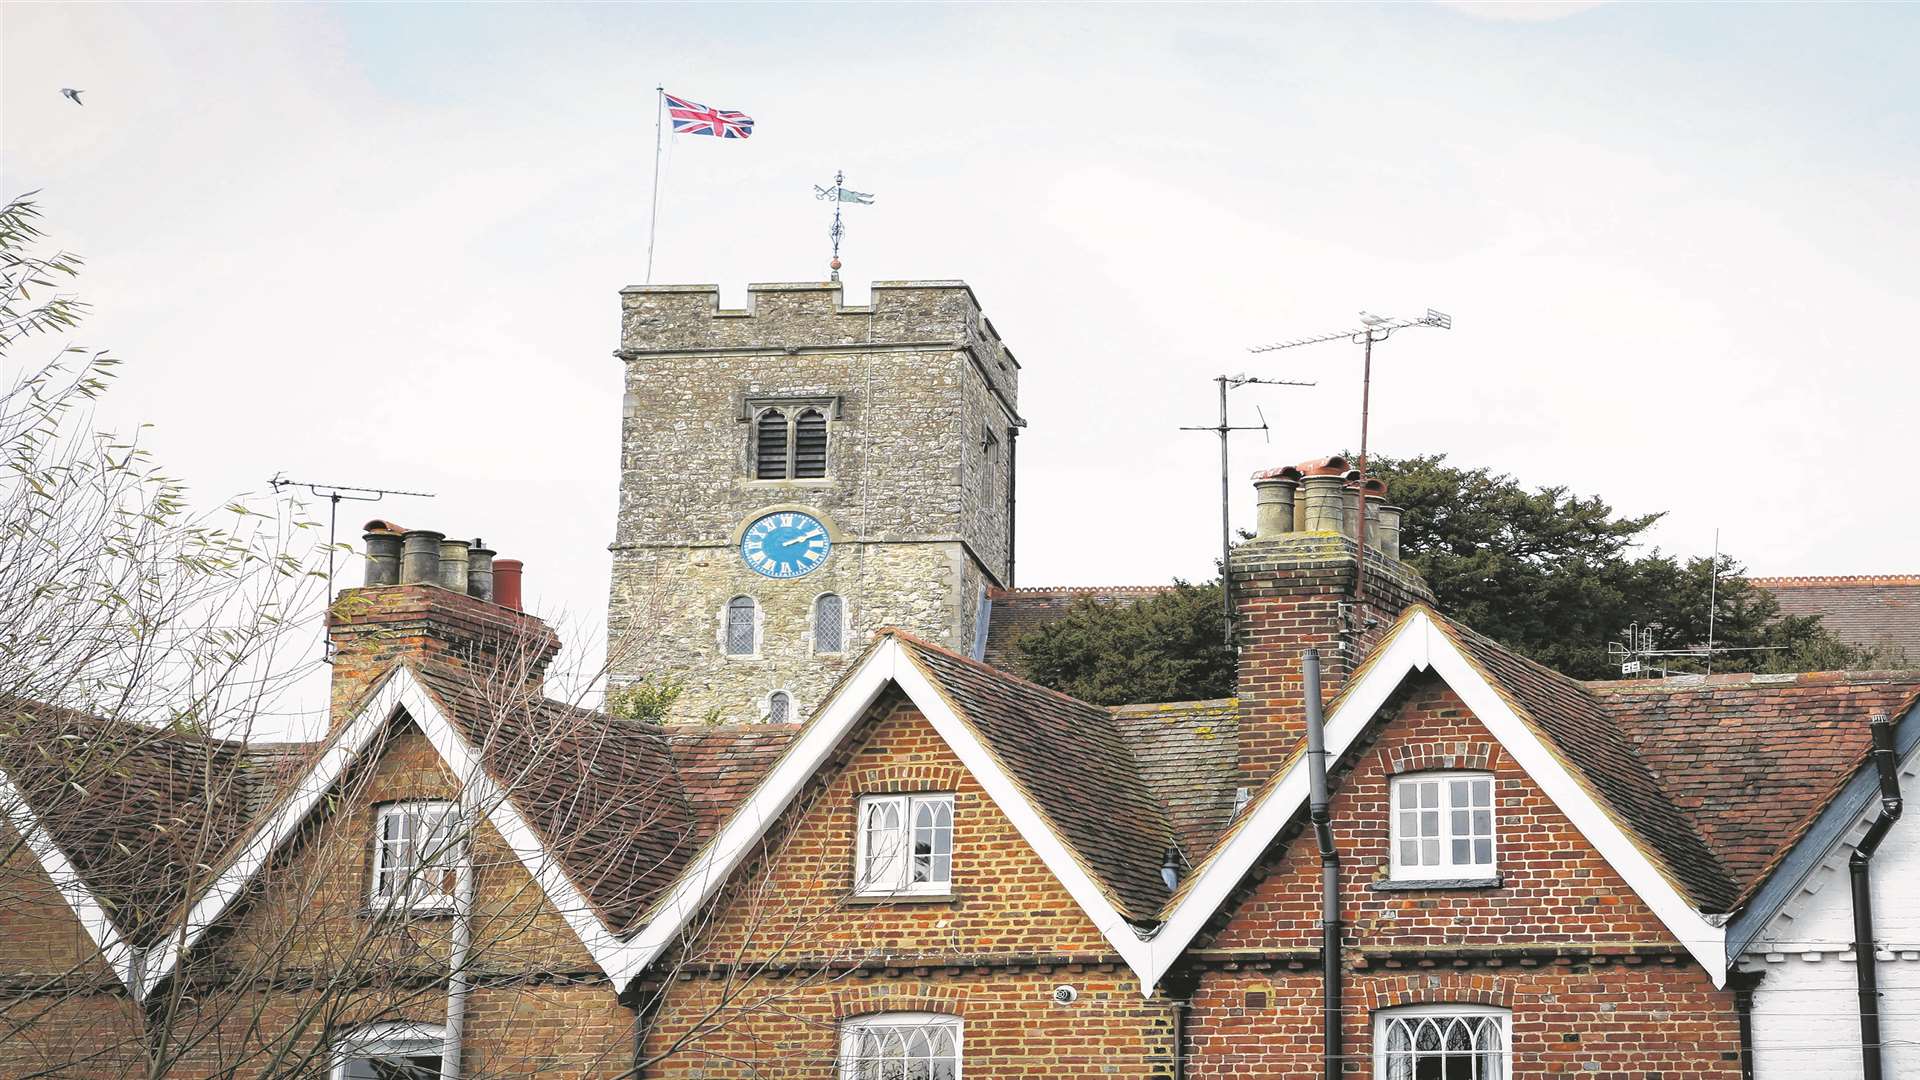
(653, 216)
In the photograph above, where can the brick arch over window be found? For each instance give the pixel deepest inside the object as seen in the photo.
(1430, 756)
(896, 997)
(1436, 989)
(907, 778)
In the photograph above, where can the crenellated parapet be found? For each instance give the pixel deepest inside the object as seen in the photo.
(791, 317)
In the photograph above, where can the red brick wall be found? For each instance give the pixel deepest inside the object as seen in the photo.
(1288, 597)
(372, 628)
(1607, 1021)
(991, 956)
(1563, 942)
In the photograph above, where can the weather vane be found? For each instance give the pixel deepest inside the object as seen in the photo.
(839, 193)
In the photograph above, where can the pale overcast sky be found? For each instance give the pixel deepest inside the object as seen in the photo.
(382, 245)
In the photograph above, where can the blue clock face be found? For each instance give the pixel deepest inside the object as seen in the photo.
(785, 544)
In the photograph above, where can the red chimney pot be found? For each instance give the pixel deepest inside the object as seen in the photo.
(506, 582)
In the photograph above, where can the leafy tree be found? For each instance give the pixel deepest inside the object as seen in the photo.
(1550, 574)
(1555, 576)
(1161, 648)
(649, 701)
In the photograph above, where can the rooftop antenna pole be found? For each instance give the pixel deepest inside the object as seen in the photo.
(335, 494)
(1230, 382)
(1713, 598)
(1373, 328)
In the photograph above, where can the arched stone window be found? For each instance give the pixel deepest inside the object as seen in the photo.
(790, 442)
(829, 624)
(771, 446)
(738, 634)
(810, 445)
(779, 707)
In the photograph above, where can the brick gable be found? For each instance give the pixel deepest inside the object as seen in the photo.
(1593, 979)
(1556, 889)
(789, 953)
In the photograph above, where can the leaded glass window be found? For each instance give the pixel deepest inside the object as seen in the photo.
(739, 632)
(829, 624)
(901, 1046)
(388, 1052)
(1457, 1042)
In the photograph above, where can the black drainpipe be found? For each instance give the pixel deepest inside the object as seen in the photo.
(1329, 865)
(1858, 866)
(1743, 984)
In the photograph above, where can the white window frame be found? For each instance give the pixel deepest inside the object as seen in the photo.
(726, 610)
(813, 625)
(1384, 1019)
(1446, 869)
(896, 877)
(390, 1039)
(852, 1030)
(419, 894)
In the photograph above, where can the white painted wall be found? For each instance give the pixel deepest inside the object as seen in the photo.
(1806, 1022)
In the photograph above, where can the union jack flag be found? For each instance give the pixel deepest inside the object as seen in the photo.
(692, 118)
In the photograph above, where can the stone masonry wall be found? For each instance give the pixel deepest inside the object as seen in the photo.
(919, 378)
(674, 599)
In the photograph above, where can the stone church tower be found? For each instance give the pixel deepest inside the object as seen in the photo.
(799, 474)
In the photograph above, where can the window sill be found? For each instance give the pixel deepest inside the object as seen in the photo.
(394, 912)
(1436, 884)
(884, 899)
(803, 482)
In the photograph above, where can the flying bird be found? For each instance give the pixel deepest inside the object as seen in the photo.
(72, 95)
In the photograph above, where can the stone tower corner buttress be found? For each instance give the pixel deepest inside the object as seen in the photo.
(798, 473)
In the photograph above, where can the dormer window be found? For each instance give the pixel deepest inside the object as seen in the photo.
(1443, 827)
(905, 845)
(416, 849)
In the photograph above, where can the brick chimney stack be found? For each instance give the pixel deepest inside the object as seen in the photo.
(409, 609)
(1293, 588)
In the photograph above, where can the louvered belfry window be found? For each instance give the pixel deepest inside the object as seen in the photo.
(810, 445)
(770, 446)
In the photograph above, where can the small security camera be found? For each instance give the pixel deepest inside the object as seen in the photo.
(1065, 995)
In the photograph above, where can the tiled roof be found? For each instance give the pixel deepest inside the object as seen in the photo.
(601, 792)
(143, 813)
(1018, 612)
(1753, 759)
(720, 766)
(1188, 754)
(1872, 611)
(622, 804)
(1590, 741)
(1075, 767)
